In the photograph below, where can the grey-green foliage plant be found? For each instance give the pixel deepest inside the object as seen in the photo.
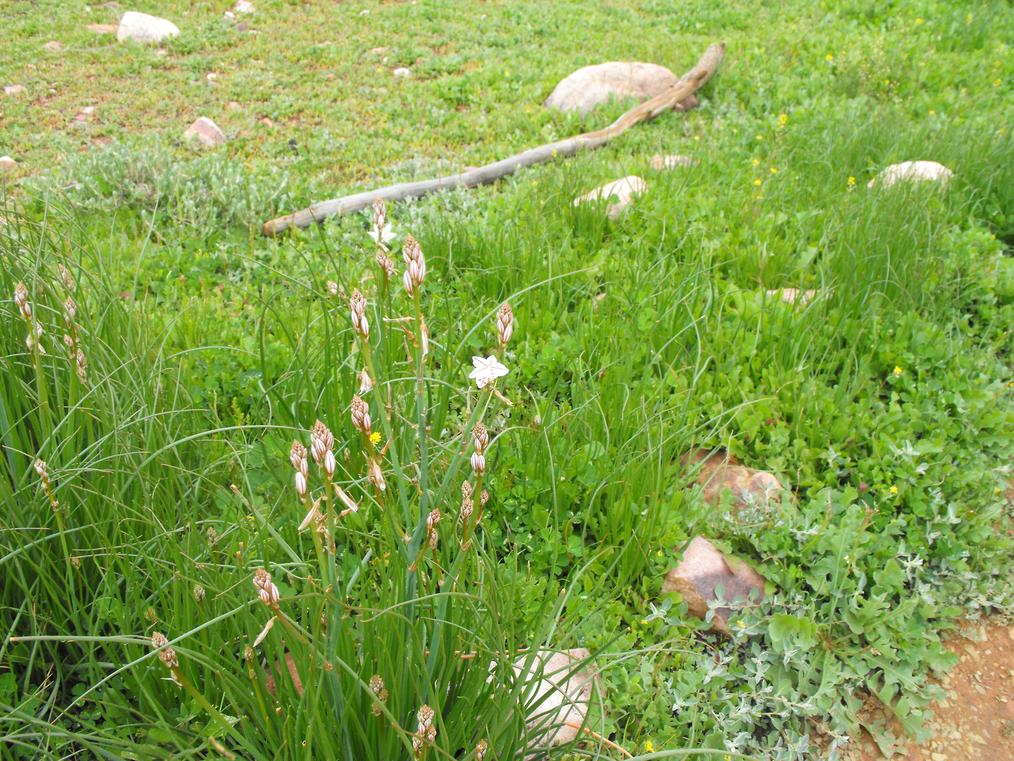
(203, 194)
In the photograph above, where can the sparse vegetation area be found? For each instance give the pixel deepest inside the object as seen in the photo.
(196, 350)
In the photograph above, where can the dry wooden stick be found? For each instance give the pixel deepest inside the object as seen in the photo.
(692, 81)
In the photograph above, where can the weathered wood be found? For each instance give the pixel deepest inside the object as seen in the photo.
(692, 81)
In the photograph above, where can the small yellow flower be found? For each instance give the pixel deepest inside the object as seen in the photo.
(996, 83)
(649, 746)
(918, 22)
(375, 438)
(829, 58)
(757, 183)
(783, 119)
(760, 137)
(774, 170)
(852, 182)
(893, 489)
(697, 137)
(932, 112)
(897, 371)
(755, 162)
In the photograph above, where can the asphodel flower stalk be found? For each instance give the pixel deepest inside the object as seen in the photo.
(415, 265)
(171, 661)
(426, 734)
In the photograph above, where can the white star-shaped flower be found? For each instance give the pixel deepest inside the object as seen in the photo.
(382, 236)
(486, 370)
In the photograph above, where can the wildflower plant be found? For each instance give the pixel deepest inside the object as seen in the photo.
(377, 583)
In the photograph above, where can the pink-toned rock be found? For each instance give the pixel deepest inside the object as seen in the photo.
(701, 570)
(660, 163)
(53, 46)
(719, 472)
(205, 132)
(591, 86)
(792, 295)
(83, 116)
(558, 693)
(912, 171)
(13, 90)
(623, 190)
(102, 28)
(7, 165)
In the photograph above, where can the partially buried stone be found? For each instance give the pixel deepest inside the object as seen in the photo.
(591, 86)
(140, 27)
(719, 472)
(623, 190)
(701, 571)
(7, 164)
(205, 132)
(660, 163)
(912, 171)
(792, 295)
(102, 28)
(402, 72)
(13, 89)
(559, 690)
(52, 47)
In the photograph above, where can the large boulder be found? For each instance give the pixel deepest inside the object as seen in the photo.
(702, 569)
(718, 473)
(140, 27)
(912, 171)
(593, 85)
(622, 190)
(558, 693)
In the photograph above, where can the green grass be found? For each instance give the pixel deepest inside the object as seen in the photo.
(886, 403)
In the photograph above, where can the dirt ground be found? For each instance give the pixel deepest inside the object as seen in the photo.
(975, 721)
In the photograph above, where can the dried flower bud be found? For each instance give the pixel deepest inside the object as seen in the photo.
(415, 264)
(504, 324)
(365, 382)
(480, 438)
(478, 463)
(483, 498)
(357, 308)
(165, 653)
(66, 278)
(343, 495)
(81, 365)
(40, 469)
(424, 333)
(299, 481)
(332, 287)
(266, 590)
(68, 341)
(480, 750)
(69, 309)
(21, 301)
(361, 415)
(376, 475)
(198, 593)
(466, 509)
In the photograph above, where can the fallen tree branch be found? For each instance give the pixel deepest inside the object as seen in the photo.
(690, 83)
